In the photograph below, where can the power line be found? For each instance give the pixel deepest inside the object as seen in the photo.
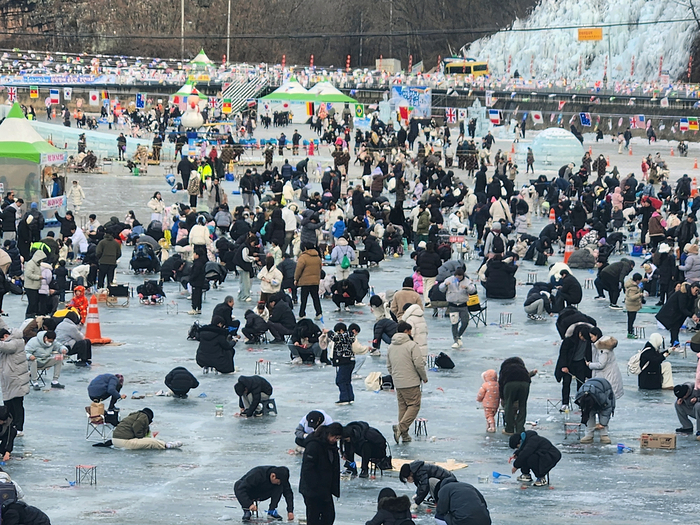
(353, 34)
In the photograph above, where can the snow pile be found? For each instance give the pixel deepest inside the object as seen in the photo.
(556, 52)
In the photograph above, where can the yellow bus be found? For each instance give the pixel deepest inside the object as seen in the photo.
(464, 66)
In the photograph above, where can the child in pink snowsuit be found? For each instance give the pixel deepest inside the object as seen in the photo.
(489, 397)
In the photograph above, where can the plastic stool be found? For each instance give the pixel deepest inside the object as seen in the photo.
(639, 332)
(500, 417)
(531, 277)
(588, 284)
(420, 426)
(85, 473)
(506, 319)
(572, 428)
(263, 366)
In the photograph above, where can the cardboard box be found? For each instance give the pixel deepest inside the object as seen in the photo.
(664, 441)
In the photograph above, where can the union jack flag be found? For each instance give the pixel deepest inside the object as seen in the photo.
(633, 122)
(451, 115)
(11, 94)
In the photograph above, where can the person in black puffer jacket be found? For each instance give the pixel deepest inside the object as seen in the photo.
(215, 351)
(514, 385)
(391, 509)
(275, 229)
(500, 278)
(419, 473)
(180, 381)
(320, 474)
(533, 453)
(428, 262)
(15, 269)
(360, 281)
(19, 513)
(255, 327)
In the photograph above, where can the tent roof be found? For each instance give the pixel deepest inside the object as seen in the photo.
(201, 59)
(290, 88)
(325, 88)
(187, 90)
(19, 140)
(294, 91)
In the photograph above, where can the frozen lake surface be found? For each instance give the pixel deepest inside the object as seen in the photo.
(593, 484)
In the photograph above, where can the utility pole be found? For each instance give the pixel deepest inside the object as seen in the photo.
(182, 30)
(360, 63)
(228, 35)
(391, 27)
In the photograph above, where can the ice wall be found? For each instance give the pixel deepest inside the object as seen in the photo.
(556, 52)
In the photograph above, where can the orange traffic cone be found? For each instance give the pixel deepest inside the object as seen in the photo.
(569, 248)
(590, 150)
(630, 150)
(512, 147)
(607, 161)
(694, 188)
(92, 328)
(552, 215)
(695, 164)
(672, 153)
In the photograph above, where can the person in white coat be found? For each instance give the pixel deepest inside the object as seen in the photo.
(199, 235)
(604, 364)
(270, 279)
(413, 315)
(14, 375)
(157, 207)
(75, 196)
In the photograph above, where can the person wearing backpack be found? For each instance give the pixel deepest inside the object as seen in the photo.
(494, 244)
(596, 398)
(342, 256)
(458, 289)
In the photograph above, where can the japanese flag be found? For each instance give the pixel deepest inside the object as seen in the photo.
(537, 117)
(94, 98)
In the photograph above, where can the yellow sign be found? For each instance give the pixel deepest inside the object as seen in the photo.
(593, 33)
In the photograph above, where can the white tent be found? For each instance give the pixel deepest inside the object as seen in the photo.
(325, 88)
(290, 88)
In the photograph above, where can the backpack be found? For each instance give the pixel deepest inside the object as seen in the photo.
(345, 263)
(633, 364)
(444, 361)
(193, 333)
(497, 245)
(141, 252)
(8, 493)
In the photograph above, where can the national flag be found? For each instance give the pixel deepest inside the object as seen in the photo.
(641, 122)
(619, 123)
(55, 97)
(310, 110)
(633, 122)
(684, 124)
(515, 112)
(251, 102)
(551, 117)
(104, 94)
(359, 111)
(495, 117)
(403, 112)
(489, 99)
(12, 94)
(560, 118)
(693, 124)
(561, 104)
(537, 117)
(140, 100)
(585, 119)
(33, 91)
(461, 115)
(664, 102)
(226, 106)
(67, 93)
(94, 98)
(451, 115)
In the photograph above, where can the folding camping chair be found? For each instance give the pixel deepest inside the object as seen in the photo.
(97, 428)
(119, 296)
(478, 313)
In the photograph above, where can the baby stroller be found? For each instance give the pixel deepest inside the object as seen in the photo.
(214, 273)
(150, 292)
(144, 259)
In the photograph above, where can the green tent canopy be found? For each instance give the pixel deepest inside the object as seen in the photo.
(201, 60)
(293, 91)
(19, 140)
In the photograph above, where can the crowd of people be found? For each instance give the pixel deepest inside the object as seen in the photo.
(288, 245)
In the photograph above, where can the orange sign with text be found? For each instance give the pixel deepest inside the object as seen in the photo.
(592, 33)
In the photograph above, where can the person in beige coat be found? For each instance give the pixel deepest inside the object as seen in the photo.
(413, 315)
(633, 301)
(14, 375)
(406, 295)
(307, 276)
(406, 365)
